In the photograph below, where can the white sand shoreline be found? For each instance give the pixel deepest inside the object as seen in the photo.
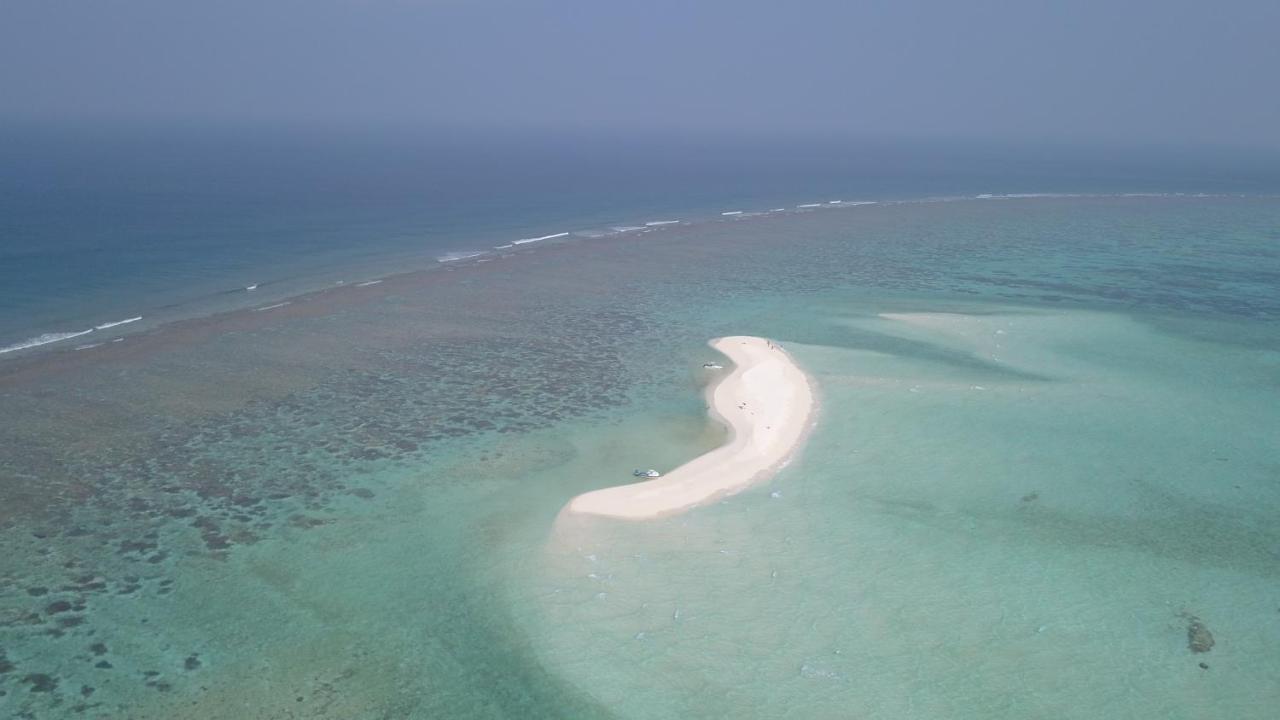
(768, 404)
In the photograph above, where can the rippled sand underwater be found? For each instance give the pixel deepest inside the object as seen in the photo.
(1043, 482)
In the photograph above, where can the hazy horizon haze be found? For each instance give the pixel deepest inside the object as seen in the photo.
(1138, 73)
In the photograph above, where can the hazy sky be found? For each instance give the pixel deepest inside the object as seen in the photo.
(1117, 70)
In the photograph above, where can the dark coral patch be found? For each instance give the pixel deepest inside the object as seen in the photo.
(303, 521)
(58, 606)
(136, 546)
(1199, 639)
(40, 682)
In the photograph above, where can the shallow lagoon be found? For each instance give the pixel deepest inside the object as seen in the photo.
(1022, 494)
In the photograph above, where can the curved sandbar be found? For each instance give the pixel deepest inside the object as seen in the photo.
(767, 403)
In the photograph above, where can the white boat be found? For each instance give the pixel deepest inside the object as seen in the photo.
(713, 366)
(650, 473)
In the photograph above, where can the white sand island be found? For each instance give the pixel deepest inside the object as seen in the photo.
(768, 404)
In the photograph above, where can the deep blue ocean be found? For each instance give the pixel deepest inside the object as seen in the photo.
(110, 225)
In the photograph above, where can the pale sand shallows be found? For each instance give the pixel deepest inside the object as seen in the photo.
(768, 404)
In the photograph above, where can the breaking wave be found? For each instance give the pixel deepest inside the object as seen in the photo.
(460, 255)
(104, 326)
(44, 339)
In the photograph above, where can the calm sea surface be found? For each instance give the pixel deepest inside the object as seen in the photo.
(1043, 482)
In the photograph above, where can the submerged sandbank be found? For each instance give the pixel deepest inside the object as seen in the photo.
(766, 401)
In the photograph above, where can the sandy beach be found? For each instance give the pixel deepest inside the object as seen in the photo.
(767, 403)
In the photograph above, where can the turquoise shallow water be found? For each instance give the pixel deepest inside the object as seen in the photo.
(1044, 474)
(959, 543)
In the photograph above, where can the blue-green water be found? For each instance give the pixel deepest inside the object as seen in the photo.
(1043, 478)
(111, 225)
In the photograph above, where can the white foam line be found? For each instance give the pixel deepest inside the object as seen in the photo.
(273, 307)
(367, 284)
(508, 246)
(104, 326)
(627, 228)
(656, 223)
(455, 257)
(732, 212)
(810, 205)
(89, 346)
(44, 339)
(539, 239)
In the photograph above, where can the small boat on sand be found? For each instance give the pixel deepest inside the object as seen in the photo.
(650, 473)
